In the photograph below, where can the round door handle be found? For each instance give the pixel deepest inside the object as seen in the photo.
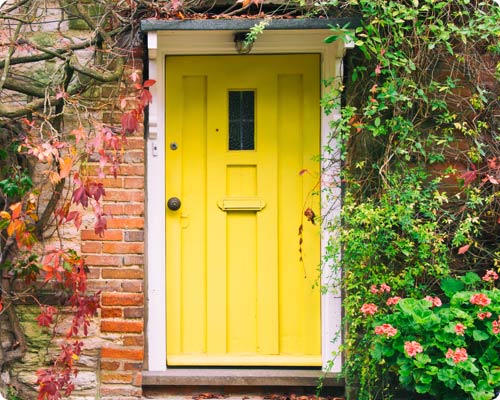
(173, 204)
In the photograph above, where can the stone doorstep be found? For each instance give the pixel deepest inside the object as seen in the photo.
(240, 377)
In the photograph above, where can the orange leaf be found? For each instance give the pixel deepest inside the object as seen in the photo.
(16, 210)
(65, 165)
(5, 215)
(79, 134)
(54, 177)
(463, 249)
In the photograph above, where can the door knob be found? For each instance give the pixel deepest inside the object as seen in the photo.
(173, 204)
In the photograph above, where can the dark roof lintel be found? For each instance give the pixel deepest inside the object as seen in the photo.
(237, 24)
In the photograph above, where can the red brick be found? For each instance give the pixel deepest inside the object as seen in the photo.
(94, 273)
(134, 312)
(126, 223)
(132, 286)
(123, 170)
(133, 183)
(131, 366)
(123, 273)
(108, 235)
(113, 209)
(137, 381)
(91, 247)
(124, 195)
(131, 169)
(122, 299)
(133, 260)
(106, 285)
(135, 143)
(111, 365)
(126, 354)
(133, 157)
(122, 326)
(116, 377)
(111, 183)
(123, 248)
(133, 209)
(134, 236)
(103, 260)
(137, 340)
(111, 312)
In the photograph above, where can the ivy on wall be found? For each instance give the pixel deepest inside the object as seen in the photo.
(418, 133)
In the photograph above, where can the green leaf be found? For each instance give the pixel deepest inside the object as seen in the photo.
(482, 395)
(467, 385)
(331, 39)
(422, 388)
(479, 335)
(470, 278)
(448, 377)
(4, 223)
(451, 286)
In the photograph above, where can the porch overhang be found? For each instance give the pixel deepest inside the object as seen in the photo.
(149, 25)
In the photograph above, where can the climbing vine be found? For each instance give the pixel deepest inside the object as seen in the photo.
(418, 137)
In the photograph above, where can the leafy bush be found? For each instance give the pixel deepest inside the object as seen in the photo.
(449, 349)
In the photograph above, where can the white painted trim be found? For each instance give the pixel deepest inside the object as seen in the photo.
(160, 44)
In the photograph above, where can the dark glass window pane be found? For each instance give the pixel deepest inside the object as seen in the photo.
(241, 120)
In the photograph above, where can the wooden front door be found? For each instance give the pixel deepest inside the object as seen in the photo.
(242, 142)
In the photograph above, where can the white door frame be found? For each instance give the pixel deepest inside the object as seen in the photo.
(181, 42)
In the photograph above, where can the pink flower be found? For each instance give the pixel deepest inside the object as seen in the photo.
(490, 276)
(496, 327)
(460, 329)
(385, 288)
(369, 308)
(480, 299)
(460, 354)
(412, 348)
(483, 315)
(392, 301)
(386, 329)
(436, 301)
(378, 69)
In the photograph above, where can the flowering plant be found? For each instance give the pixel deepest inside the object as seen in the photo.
(447, 346)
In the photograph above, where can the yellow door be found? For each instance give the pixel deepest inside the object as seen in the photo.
(242, 141)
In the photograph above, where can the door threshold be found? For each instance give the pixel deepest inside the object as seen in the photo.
(240, 377)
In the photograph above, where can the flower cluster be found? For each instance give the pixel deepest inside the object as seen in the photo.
(413, 348)
(384, 288)
(480, 299)
(436, 301)
(460, 329)
(392, 301)
(483, 315)
(457, 355)
(386, 329)
(490, 276)
(496, 326)
(369, 309)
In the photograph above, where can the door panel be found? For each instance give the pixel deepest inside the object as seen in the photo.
(237, 291)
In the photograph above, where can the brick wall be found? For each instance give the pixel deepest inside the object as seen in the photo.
(116, 264)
